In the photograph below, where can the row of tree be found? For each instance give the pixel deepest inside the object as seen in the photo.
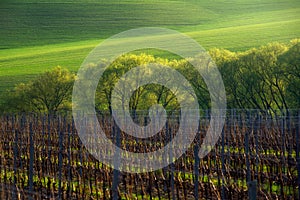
(266, 78)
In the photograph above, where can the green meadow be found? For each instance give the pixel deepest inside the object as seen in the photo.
(38, 35)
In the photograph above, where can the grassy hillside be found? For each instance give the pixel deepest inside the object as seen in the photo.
(27, 23)
(38, 35)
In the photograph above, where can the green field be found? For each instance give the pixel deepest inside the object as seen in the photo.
(39, 35)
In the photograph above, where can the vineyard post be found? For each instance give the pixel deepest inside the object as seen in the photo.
(16, 157)
(197, 160)
(22, 127)
(117, 160)
(247, 118)
(223, 165)
(60, 132)
(1, 185)
(289, 146)
(196, 169)
(31, 160)
(252, 189)
(171, 156)
(69, 161)
(257, 131)
(251, 184)
(49, 141)
(297, 151)
(283, 129)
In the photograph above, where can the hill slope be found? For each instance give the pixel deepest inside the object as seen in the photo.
(38, 35)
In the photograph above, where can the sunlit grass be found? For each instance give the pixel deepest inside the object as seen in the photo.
(35, 37)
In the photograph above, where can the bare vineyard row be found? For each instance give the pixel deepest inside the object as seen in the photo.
(41, 157)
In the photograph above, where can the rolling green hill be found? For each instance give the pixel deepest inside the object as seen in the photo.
(38, 35)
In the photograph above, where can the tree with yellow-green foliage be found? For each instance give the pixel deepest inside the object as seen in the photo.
(265, 78)
(50, 93)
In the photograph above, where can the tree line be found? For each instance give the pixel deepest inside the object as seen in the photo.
(266, 78)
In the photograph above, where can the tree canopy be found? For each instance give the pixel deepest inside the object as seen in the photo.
(266, 78)
(50, 92)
